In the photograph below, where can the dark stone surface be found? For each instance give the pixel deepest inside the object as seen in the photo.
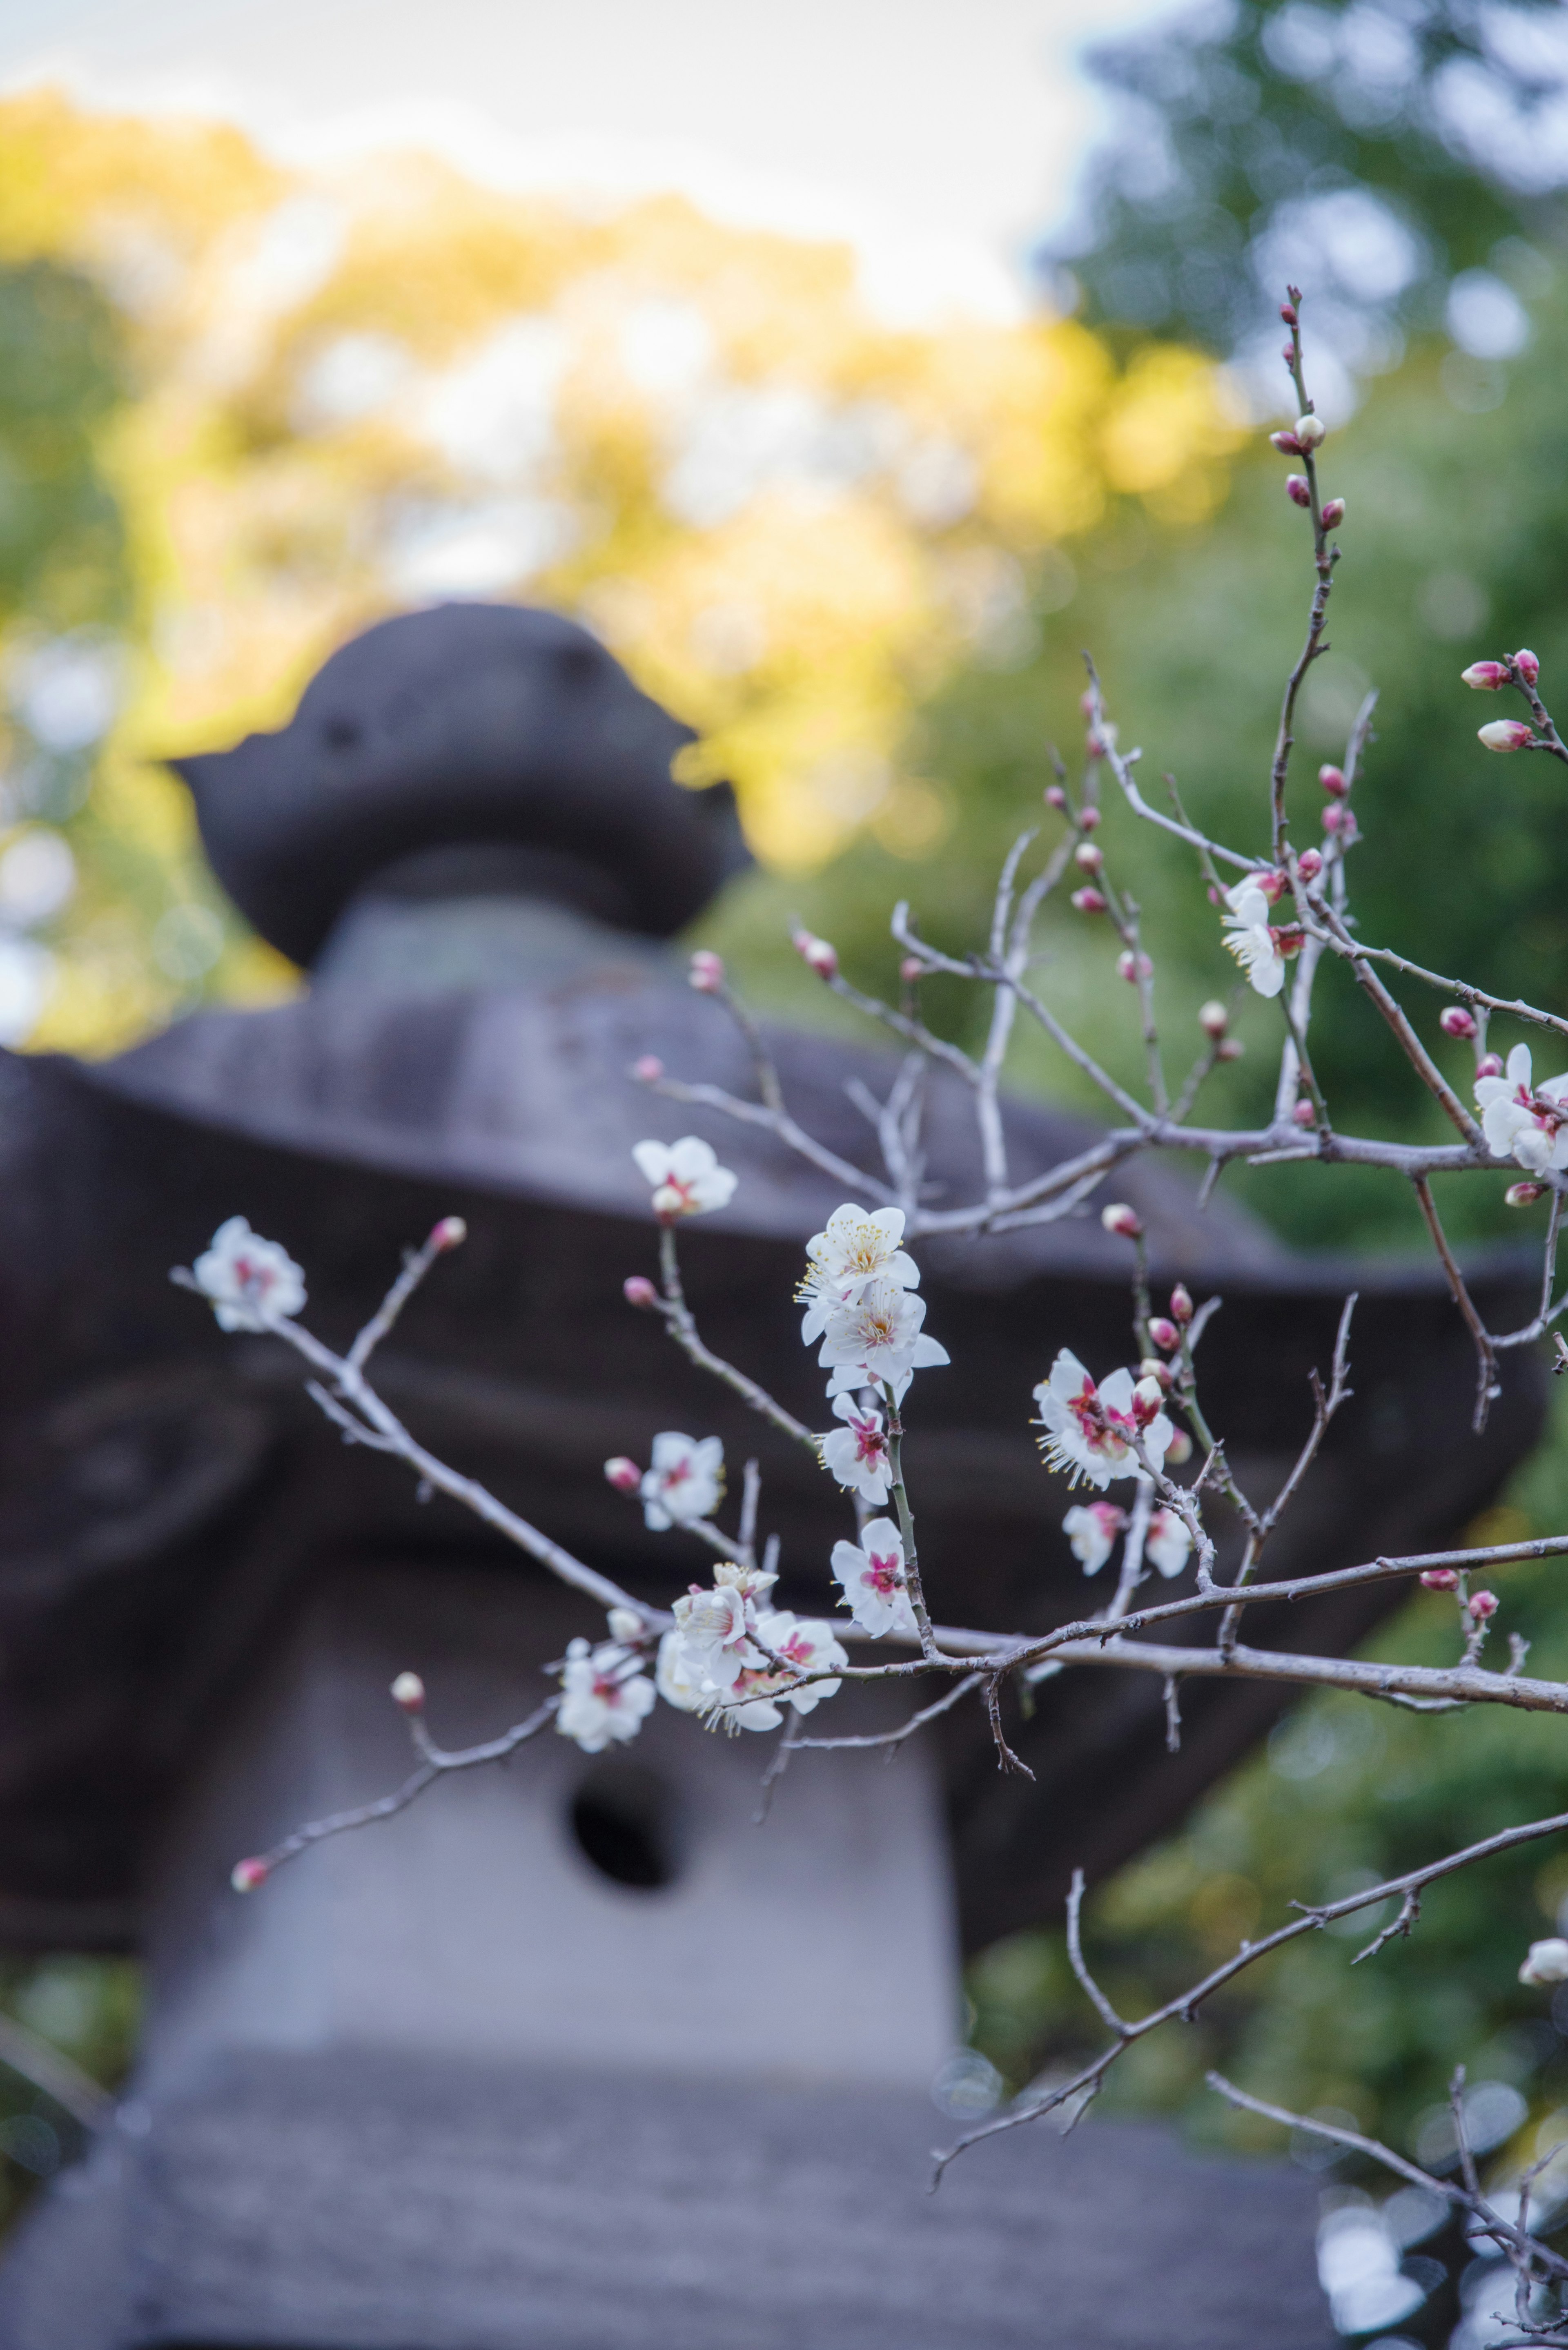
(346, 2204)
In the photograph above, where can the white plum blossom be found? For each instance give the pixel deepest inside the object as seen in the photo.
(1251, 939)
(1547, 1962)
(1092, 1528)
(250, 1281)
(1521, 1120)
(604, 1695)
(1090, 1431)
(856, 1247)
(713, 1628)
(872, 1578)
(857, 1454)
(805, 1647)
(878, 1335)
(685, 1481)
(687, 1177)
(1168, 1545)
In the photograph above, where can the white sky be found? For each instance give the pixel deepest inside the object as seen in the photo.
(941, 135)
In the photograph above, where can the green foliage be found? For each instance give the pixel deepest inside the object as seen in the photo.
(62, 546)
(1235, 123)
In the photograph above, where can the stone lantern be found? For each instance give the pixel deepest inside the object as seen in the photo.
(573, 2053)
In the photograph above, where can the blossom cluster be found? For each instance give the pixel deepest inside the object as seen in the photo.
(732, 1656)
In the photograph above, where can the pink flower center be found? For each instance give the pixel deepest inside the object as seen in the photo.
(870, 1443)
(1101, 1429)
(884, 1575)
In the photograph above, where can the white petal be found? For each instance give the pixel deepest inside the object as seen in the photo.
(1519, 1066)
(652, 1161)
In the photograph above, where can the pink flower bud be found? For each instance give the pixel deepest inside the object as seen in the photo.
(409, 1691)
(1089, 818)
(1088, 856)
(1134, 967)
(1333, 512)
(1489, 1066)
(1309, 864)
(1440, 1578)
(1298, 488)
(638, 1291)
(1214, 1019)
(1483, 1604)
(450, 1233)
(1287, 445)
(648, 1069)
(246, 1875)
(1228, 1048)
(1148, 1397)
(1524, 1195)
(910, 970)
(1181, 1304)
(1506, 734)
(1288, 313)
(1288, 353)
(1178, 1449)
(707, 972)
(1123, 1221)
(1303, 1113)
(1485, 677)
(1086, 703)
(1055, 797)
(1527, 665)
(1334, 818)
(1332, 778)
(1311, 431)
(1087, 902)
(1454, 1020)
(815, 953)
(623, 1474)
(1097, 741)
(1161, 1373)
(1164, 1334)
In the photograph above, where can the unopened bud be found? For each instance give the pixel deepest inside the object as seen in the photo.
(1150, 1368)
(1087, 902)
(1309, 864)
(1164, 1334)
(1089, 817)
(1228, 1048)
(1489, 1066)
(1288, 353)
(1287, 445)
(626, 1625)
(1181, 1303)
(1088, 856)
(1178, 1449)
(1333, 512)
(1506, 734)
(1332, 778)
(1546, 1962)
(246, 1875)
(707, 972)
(1214, 1019)
(1298, 488)
(1134, 967)
(1440, 1578)
(1483, 1604)
(623, 1474)
(1147, 1397)
(1334, 818)
(1454, 1020)
(409, 1691)
(1524, 1195)
(1527, 665)
(1485, 677)
(1123, 1221)
(1288, 313)
(450, 1233)
(1303, 1113)
(910, 970)
(1311, 431)
(815, 953)
(1086, 703)
(638, 1291)
(648, 1069)
(1055, 797)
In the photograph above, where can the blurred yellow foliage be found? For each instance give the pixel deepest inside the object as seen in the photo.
(366, 388)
